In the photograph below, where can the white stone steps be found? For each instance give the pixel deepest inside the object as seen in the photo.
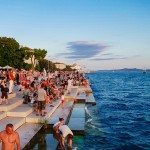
(85, 89)
(11, 95)
(16, 121)
(32, 118)
(77, 125)
(90, 99)
(78, 112)
(61, 112)
(12, 103)
(77, 119)
(22, 110)
(27, 132)
(73, 93)
(78, 105)
(81, 97)
(2, 115)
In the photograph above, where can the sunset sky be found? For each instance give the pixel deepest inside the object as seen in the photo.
(97, 34)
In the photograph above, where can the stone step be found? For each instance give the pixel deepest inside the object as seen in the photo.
(78, 112)
(22, 110)
(77, 119)
(2, 115)
(85, 89)
(72, 94)
(77, 125)
(63, 112)
(12, 103)
(81, 97)
(32, 118)
(90, 99)
(26, 132)
(11, 95)
(78, 105)
(16, 121)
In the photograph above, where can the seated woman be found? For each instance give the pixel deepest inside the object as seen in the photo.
(26, 95)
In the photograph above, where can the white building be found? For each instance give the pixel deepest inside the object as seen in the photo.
(76, 67)
(60, 66)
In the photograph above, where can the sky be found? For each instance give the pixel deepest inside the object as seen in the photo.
(96, 34)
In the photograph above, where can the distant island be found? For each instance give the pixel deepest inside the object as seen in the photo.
(125, 69)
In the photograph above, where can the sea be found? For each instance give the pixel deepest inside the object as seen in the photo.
(120, 120)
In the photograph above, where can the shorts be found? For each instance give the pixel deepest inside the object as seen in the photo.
(4, 95)
(41, 105)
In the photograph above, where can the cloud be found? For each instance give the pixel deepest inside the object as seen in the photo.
(107, 54)
(110, 58)
(115, 57)
(83, 49)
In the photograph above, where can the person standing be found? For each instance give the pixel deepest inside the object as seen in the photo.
(9, 138)
(69, 85)
(62, 100)
(41, 100)
(4, 91)
(11, 81)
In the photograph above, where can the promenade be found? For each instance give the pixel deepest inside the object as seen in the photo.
(28, 124)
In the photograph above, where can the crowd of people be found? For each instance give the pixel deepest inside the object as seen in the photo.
(40, 89)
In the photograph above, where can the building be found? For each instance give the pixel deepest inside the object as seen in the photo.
(76, 67)
(60, 66)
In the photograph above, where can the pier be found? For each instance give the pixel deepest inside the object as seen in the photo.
(27, 124)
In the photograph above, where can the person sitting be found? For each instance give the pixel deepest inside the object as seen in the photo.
(26, 95)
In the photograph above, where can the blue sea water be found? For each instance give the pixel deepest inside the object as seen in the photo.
(121, 118)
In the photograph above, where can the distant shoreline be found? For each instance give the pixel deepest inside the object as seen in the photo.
(125, 69)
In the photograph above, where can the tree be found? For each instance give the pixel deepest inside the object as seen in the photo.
(10, 53)
(34, 55)
(48, 65)
(68, 68)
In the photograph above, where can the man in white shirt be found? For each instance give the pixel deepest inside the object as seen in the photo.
(65, 132)
(69, 86)
(41, 100)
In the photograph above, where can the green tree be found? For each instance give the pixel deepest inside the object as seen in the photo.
(68, 68)
(34, 55)
(48, 65)
(10, 53)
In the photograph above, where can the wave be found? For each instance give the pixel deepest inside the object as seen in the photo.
(89, 120)
(87, 112)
